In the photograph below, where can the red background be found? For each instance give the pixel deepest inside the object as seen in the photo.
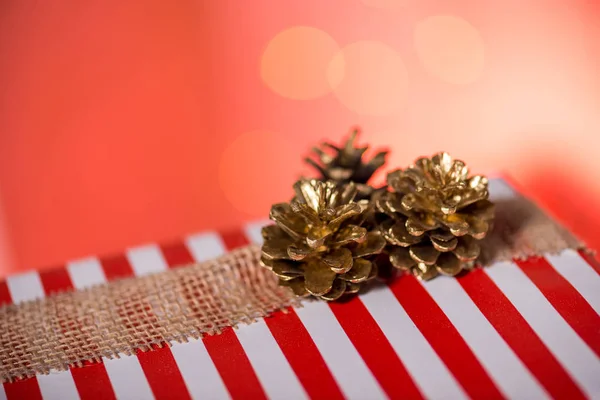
(123, 122)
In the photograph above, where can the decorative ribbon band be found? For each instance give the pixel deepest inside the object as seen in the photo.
(121, 317)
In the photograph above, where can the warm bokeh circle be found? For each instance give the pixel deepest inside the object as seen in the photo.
(294, 63)
(369, 77)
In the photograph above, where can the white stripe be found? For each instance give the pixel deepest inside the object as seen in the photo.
(58, 386)
(149, 259)
(24, 287)
(498, 359)
(423, 364)
(86, 272)
(127, 378)
(253, 230)
(579, 274)
(347, 366)
(577, 358)
(269, 363)
(205, 246)
(2, 393)
(198, 371)
(146, 260)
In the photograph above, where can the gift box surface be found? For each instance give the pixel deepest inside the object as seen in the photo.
(525, 329)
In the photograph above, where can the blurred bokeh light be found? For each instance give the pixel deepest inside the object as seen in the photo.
(128, 122)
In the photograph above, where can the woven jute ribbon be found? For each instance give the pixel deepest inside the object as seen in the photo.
(119, 318)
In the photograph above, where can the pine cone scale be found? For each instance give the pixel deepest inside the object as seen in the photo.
(337, 290)
(349, 234)
(374, 244)
(292, 224)
(298, 253)
(401, 259)
(467, 249)
(478, 228)
(397, 231)
(444, 246)
(449, 265)
(297, 285)
(318, 277)
(352, 288)
(339, 260)
(285, 270)
(276, 249)
(360, 272)
(424, 253)
(417, 226)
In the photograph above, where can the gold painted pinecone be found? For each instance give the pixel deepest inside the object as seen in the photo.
(345, 164)
(435, 216)
(318, 246)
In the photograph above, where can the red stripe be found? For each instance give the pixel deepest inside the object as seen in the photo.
(159, 366)
(375, 349)
(55, 280)
(4, 294)
(565, 299)
(176, 254)
(233, 365)
(27, 389)
(163, 374)
(22, 389)
(302, 354)
(116, 267)
(234, 239)
(591, 259)
(444, 338)
(226, 351)
(91, 380)
(519, 335)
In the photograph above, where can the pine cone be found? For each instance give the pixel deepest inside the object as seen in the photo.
(318, 246)
(435, 216)
(346, 164)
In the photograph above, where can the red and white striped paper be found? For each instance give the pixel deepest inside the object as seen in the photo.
(518, 330)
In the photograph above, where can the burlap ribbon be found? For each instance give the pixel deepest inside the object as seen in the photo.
(122, 317)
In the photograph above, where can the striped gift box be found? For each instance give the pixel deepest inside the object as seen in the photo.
(527, 330)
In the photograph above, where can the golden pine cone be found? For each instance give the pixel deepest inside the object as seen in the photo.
(345, 164)
(436, 215)
(318, 246)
